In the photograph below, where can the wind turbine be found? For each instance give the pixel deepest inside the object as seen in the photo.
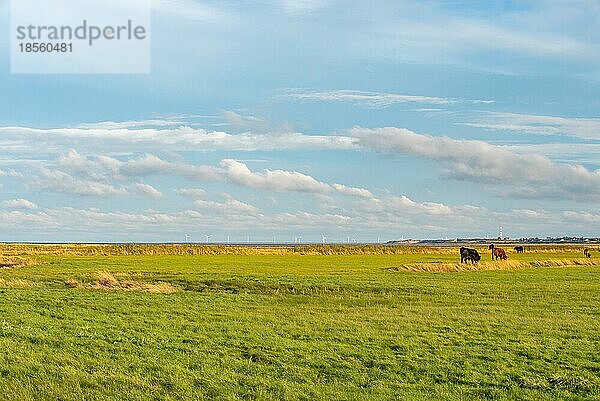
(187, 238)
(323, 239)
(207, 239)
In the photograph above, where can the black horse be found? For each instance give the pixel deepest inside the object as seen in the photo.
(468, 254)
(519, 249)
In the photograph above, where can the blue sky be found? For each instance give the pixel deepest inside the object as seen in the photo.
(301, 118)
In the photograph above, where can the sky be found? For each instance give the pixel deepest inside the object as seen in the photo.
(312, 120)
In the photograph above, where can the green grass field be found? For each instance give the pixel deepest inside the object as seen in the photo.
(295, 326)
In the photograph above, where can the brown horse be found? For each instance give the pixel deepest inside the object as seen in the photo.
(498, 253)
(587, 253)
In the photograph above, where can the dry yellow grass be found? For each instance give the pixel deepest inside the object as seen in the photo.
(493, 265)
(71, 283)
(155, 288)
(106, 281)
(566, 262)
(17, 283)
(19, 250)
(13, 262)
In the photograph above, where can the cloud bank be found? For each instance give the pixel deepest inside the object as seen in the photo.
(585, 128)
(375, 100)
(527, 176)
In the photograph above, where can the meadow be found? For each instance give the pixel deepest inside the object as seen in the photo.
(171, 322)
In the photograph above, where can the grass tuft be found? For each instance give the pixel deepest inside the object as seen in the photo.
(566, 262)
(107, 281)
(492, 265)
(13, 262)
(72, 283)
(154, 288)
(17, 283)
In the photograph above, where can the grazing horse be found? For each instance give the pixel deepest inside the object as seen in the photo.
(497, 253)
(587, 253)
(467, 254)
(519, 249)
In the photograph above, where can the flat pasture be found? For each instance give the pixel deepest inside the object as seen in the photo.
(304, 323)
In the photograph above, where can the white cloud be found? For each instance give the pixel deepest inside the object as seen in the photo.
(191, 192)
(81, 175)
(132, 124)
(370, 99)
(61, 182)
(242, 121)
(79, 165)
(529, 176)
(572, 153)
(184, 138)
(152, 165)
(228, 170)
(148, 190)
(10, 173)
(18, 204)
(72, 220)
(274, 180)
(229, 206)
(586, 218)
(586, 128)
(351, 191)
(394, 204)
(405, 219)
